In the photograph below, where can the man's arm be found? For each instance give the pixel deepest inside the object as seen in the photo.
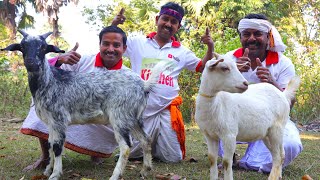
(264, 75)
(206, 39)
(71, 57)
(119, 19)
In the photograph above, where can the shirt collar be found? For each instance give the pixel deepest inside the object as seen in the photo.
(174, 43)
(272, 57)
(99, 63)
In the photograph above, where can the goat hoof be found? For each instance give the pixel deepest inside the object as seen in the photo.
(55, 176)
(47, 172)
(114, 178)
(145, 172)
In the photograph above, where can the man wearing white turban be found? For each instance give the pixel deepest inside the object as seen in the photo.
(261, 59)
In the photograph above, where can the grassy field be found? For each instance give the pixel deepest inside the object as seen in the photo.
(17, 151)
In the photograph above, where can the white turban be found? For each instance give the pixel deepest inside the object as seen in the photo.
(275, 42)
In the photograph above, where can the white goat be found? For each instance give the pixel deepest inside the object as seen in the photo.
(63, 98)
(230, 110)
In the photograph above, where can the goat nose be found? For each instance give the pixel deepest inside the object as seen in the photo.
(246, 83)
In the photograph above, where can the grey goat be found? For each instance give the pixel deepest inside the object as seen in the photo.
(63, 98)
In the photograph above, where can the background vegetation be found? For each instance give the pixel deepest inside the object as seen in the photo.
(297, 20)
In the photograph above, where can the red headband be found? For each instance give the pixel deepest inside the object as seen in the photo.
(171, 12)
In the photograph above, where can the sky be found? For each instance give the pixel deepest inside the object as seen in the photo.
(74, 29)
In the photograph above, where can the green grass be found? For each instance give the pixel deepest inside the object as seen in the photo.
(17, 151)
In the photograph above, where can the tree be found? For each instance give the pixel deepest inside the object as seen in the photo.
(10, 8)
(8, 13)
(51, 9)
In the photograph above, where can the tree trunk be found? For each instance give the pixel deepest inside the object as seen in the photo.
(8, 15)
(56, 33)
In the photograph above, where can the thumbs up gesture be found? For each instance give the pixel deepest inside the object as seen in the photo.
(71, 57)
(244, 62)
(206, 38)
(263, 73)
(119, 19)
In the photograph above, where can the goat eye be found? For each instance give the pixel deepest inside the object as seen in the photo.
(224, 69)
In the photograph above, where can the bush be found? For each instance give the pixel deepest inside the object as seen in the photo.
(307, 107)
(15, 95)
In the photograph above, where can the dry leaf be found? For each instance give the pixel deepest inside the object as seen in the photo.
(162, 177)
(41, 177)
(166, 176)
(169, 174)
(306, 177)
(136, 162)
(131, 167)
(75, 175)
(12, 138)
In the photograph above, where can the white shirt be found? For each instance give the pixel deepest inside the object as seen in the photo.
(144, 53)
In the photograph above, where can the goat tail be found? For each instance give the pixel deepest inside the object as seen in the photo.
(155, 74)
(292, 88)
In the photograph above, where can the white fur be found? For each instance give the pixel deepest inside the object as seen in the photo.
(224, 112)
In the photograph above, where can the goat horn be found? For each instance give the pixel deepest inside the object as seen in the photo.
(46, 35)
(24, 34)
(216, 55)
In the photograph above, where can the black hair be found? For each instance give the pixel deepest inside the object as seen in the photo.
(174, 6)
(256, 16)
(113, 29)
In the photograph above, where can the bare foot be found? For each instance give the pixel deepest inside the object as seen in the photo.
(39, 164)
(96, 160)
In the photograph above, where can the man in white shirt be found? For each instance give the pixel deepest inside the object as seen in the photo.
(162, 119)
(261, 59)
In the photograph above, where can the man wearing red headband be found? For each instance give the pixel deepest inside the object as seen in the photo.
(162, 119)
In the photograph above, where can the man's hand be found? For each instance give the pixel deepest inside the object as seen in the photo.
(119, 19)
(263, 73)
(244, 62)
(206, 39)
(71, 57)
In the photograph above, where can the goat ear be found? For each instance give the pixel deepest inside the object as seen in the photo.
(52, 48)
(24, 34)
(213, 63)
(46, 35)
(12, 47)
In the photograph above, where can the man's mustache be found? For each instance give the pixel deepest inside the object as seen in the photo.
(252, 43)
(110, 53)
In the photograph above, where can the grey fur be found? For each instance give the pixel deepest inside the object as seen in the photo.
(62, 98)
